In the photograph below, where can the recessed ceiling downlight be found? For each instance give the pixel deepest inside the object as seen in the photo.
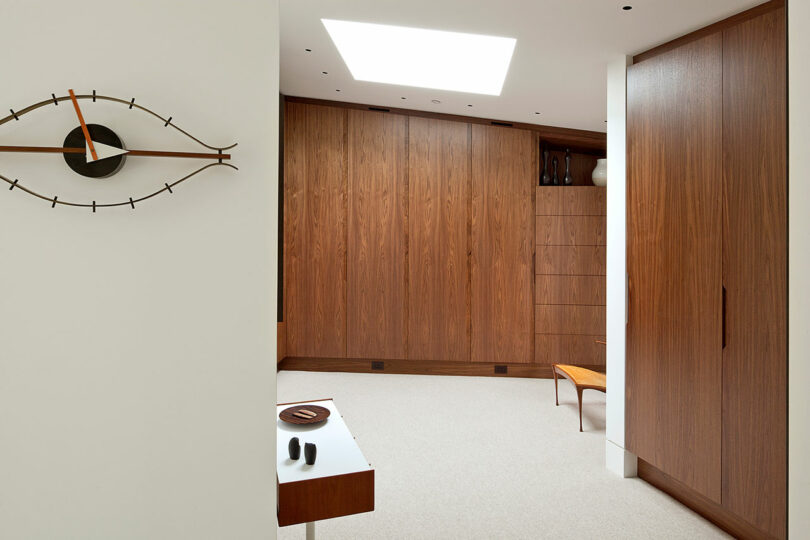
(423, 58)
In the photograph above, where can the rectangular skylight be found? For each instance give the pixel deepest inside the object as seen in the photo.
(423, 58)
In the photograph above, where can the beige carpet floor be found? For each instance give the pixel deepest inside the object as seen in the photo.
(478, 457)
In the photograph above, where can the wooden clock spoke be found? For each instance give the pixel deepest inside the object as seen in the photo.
(142, 153)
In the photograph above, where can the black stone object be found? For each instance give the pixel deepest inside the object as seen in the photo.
(97, 169)
(310, 453)
(568, 179)
(555, 179)
(545, 178)
(295, 448)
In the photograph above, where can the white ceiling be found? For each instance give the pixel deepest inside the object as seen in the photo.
(558, 68)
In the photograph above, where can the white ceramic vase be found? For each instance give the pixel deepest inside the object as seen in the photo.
(599, 175)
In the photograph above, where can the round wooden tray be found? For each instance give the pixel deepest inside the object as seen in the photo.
(300, 414)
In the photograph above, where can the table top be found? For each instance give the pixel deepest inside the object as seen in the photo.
(338, 452)
(583, 377)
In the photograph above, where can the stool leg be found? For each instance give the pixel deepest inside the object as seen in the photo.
(579, 398)
(556, 397)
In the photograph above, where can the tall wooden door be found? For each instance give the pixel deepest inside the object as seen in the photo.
(377, 248)
(315, 230)
(438, 214)
(674, 333)
(754, 272)
(503, 180)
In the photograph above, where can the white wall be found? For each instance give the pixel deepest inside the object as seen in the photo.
(617, 458)
(137, 347)
(799, 270)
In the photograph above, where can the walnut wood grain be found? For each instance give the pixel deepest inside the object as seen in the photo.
(589, 143)
(581, 290)
(571, 230)
(325, 498)
(314, 230)
(715, 28)
(569, 349)
(422, 367)
(377, 274)
(571, 201)
(674, 135)
(439, 284)
(578, 260)
(717, 514)
(754, 272)
(565, 319)
(503, 179)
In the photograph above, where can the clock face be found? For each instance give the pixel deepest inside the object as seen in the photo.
(93, 150)
(100, 168)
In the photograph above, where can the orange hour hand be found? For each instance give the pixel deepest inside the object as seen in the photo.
(84, 126)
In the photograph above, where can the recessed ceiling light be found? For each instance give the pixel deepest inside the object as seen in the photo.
(436, 101)
(337, 90)
(469, 105)
(402, 97)
(308, 50)
(536, 112)
(325, 73)
(627, 8)
(423, 58)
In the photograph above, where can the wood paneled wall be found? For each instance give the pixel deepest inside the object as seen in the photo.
(754, 272)
(413, 238)
(674, 262)
(570, 281)
(707, 256)
(377, 247)
(504, 173)
(439, 240)
(315, 230)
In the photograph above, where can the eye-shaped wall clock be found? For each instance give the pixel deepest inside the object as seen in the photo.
(95, 151)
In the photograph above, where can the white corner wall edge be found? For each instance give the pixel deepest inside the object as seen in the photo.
(618, 460)
(798, 270)
(137, 346)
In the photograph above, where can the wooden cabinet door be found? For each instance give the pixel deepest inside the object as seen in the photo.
(754, 272)
(503, 179)
(315, 230)
(438, 240)
(674, 341)
(376, 238)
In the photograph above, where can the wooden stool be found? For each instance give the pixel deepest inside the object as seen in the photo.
(582, 379)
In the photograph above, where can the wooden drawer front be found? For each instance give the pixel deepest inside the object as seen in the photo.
(571, 201)
(568, 349)
(582, 290)
(570, 230)
(587, 320)
(581, 260)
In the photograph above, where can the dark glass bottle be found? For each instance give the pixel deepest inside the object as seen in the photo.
(555, 179)
(568, 179)
(545, 178)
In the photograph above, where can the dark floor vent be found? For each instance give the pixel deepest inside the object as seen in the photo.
(378, 366)
(381, 109)
(500, 369)
(504, 124)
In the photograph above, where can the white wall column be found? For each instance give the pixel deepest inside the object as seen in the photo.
(798, 270)
(137, 346)
(618, 460)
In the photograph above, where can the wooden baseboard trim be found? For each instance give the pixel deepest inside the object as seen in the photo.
(421, 367)
(731, 523)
